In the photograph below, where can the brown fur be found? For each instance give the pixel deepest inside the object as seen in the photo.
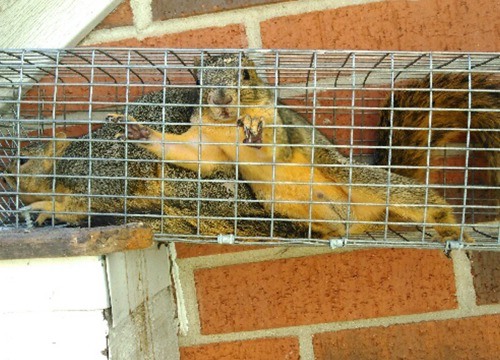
(446, 126)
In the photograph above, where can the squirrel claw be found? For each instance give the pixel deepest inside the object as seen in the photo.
(252, 129)
(115, 118)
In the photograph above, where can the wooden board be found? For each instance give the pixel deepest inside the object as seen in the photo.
(47, 24)
(144, 324)
(62, 242)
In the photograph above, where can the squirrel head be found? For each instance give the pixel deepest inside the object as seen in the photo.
(26, 172)
(227, 81)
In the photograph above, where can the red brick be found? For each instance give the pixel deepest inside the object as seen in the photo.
(324, 288)
(259, 349)
(230, 36)
(171, 9)
(486, 272)
(468, 338)
(73, 94)
(121, 16)
(461, 25)
(334, 123)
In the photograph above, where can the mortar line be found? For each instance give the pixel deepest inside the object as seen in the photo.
(224, 18)
(107, 35)
(186, 277)
(142, 13)
(310, 330)
(252, 30)
(182, 317)
(258, 255)
(306, 348)
(464, 282)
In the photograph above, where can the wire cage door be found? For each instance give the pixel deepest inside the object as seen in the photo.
(336, 148)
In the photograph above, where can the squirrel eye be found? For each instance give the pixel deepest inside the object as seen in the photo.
(246, 74)
(23, 161)
(197, 82)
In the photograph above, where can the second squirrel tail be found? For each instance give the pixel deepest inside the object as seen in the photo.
(451, 101)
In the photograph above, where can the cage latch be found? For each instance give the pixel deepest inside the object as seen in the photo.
(337, 243)
(452, 245)
(227, 239)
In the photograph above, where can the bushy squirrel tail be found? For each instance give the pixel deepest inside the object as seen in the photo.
(452, 97)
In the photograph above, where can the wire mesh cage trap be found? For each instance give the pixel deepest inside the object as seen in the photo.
(338, 148)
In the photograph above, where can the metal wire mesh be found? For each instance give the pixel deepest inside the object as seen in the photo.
(307, 165)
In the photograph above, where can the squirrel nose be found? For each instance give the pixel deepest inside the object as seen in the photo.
(219, 97)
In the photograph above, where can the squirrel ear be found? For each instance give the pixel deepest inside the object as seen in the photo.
(246, 61)
(196, 72)
(249, 67)
(60, 144)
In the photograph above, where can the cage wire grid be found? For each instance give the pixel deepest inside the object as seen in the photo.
(341, 94)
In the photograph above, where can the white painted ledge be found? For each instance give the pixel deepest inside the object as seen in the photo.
(60, 335)
(53, 309)
(54, 284)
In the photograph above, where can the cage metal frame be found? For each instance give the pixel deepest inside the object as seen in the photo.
(318, 71)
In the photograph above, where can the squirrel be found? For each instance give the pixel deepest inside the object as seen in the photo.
(52, 181)
(446, 125)
(66, 195)
(291, 167)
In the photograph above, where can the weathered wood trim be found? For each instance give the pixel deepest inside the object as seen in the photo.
(143, 317)
(50, 23)
(44, 24)
(63, 242)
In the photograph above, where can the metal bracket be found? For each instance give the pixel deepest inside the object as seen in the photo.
(337, 243)
(226, 239)
(452, 245)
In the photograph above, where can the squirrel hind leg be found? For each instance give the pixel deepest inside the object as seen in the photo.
(446, 225)
(446, 232)
(56, 209)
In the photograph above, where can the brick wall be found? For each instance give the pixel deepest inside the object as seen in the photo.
(308, 303)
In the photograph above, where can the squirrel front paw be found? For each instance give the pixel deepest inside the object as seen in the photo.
(135, 131)
(252, 128)
(117, 118)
